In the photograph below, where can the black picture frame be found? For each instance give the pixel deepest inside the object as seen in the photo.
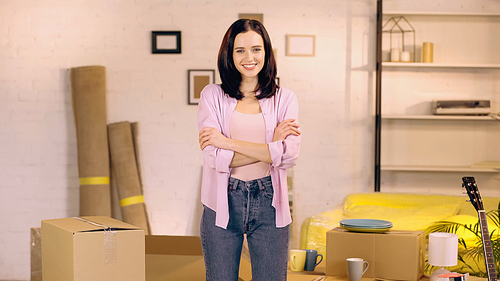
(171, 36)
(197, 80)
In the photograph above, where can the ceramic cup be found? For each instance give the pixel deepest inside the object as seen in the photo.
(297, 260)
(355, 268)
(312, 260)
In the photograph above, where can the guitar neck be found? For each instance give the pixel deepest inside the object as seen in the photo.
(488, 252)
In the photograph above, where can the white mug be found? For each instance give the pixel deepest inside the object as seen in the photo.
(355, 268)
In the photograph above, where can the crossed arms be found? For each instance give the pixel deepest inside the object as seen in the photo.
(246, 152)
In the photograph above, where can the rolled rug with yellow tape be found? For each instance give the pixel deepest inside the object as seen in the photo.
(88, 90)
(124, 165)
(135, 137)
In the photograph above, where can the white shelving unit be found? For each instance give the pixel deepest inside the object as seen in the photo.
(416, 13)
(451, 169)
(418, 146)
(441, 117)
(437, 65)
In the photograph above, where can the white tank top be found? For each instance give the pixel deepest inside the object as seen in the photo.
(251, 128)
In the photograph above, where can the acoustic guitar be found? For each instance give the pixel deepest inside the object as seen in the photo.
(475, 199)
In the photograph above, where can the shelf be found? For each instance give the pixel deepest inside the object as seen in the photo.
(439, 117)
(438, 65)
(459, 69)
(438, 169)
(411, 13)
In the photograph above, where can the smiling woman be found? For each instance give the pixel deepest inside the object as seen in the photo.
(249, 135)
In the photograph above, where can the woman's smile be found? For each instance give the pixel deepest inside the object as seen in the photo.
(250, 66)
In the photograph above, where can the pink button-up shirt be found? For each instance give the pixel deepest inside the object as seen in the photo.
(214, 110)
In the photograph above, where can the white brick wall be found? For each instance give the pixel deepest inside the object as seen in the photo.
(40, 40)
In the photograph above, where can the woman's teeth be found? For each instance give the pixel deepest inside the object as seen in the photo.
(249, 65)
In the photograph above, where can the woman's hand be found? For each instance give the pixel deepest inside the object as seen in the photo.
(286, 128)
(211, 136)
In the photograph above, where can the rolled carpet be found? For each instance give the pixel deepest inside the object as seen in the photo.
(88, 89)
(124, 165)
(135, 137)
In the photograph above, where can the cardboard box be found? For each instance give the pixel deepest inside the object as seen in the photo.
(300, 276)
(312, 277)
(92, 248)
(396, 255)
(36, 254)
(180, 258)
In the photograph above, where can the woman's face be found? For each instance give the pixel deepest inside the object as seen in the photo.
(248, 54)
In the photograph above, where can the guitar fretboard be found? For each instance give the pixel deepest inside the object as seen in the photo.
(488, 252)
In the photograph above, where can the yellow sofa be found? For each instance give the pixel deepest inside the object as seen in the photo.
(405, 211)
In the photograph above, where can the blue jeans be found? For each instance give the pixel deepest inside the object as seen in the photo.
(250, 212)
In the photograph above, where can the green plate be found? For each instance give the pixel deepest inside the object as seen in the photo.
(375, 230)
(366, 225)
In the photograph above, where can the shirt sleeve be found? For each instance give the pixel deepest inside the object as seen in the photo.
(210, 115)
(284, 153)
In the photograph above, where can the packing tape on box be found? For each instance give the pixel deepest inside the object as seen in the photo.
(132, 200)
(94, 180)
(109, 240)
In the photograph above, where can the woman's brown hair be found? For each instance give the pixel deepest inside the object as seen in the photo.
(230, 76)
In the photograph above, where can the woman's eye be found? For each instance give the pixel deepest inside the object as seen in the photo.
(257, 49)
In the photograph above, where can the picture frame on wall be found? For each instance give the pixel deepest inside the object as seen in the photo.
(257, 17)
(301, 45)
(166, 42)
(197, 80)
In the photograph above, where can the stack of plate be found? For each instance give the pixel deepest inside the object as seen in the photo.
(366, 225)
